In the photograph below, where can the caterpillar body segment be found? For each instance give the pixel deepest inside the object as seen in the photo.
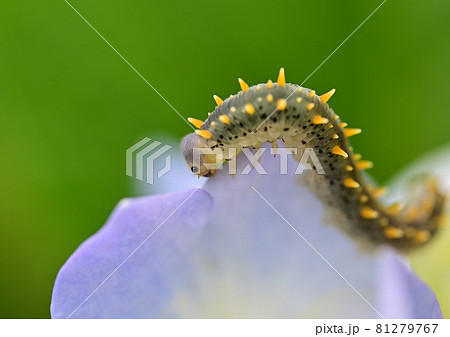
(302, 119)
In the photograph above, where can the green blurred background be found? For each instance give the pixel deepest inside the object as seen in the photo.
(69, 106)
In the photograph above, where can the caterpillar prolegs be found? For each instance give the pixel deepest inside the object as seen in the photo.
(271, 111)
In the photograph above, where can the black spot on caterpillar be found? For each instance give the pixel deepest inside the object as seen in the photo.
(271, 111)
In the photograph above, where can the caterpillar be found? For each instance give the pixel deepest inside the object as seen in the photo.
(271, 111)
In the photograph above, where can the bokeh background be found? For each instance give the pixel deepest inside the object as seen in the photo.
(70, 107)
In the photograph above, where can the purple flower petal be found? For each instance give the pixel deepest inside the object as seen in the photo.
(141, 287)
(246, 261)
(402, 294)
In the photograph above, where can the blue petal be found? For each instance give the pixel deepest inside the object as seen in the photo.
(402, 294)
(247, 261)
(143, 285)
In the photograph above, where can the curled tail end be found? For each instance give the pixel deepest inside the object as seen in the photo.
(420, 220)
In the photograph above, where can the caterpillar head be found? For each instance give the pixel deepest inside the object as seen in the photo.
(191, 148)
